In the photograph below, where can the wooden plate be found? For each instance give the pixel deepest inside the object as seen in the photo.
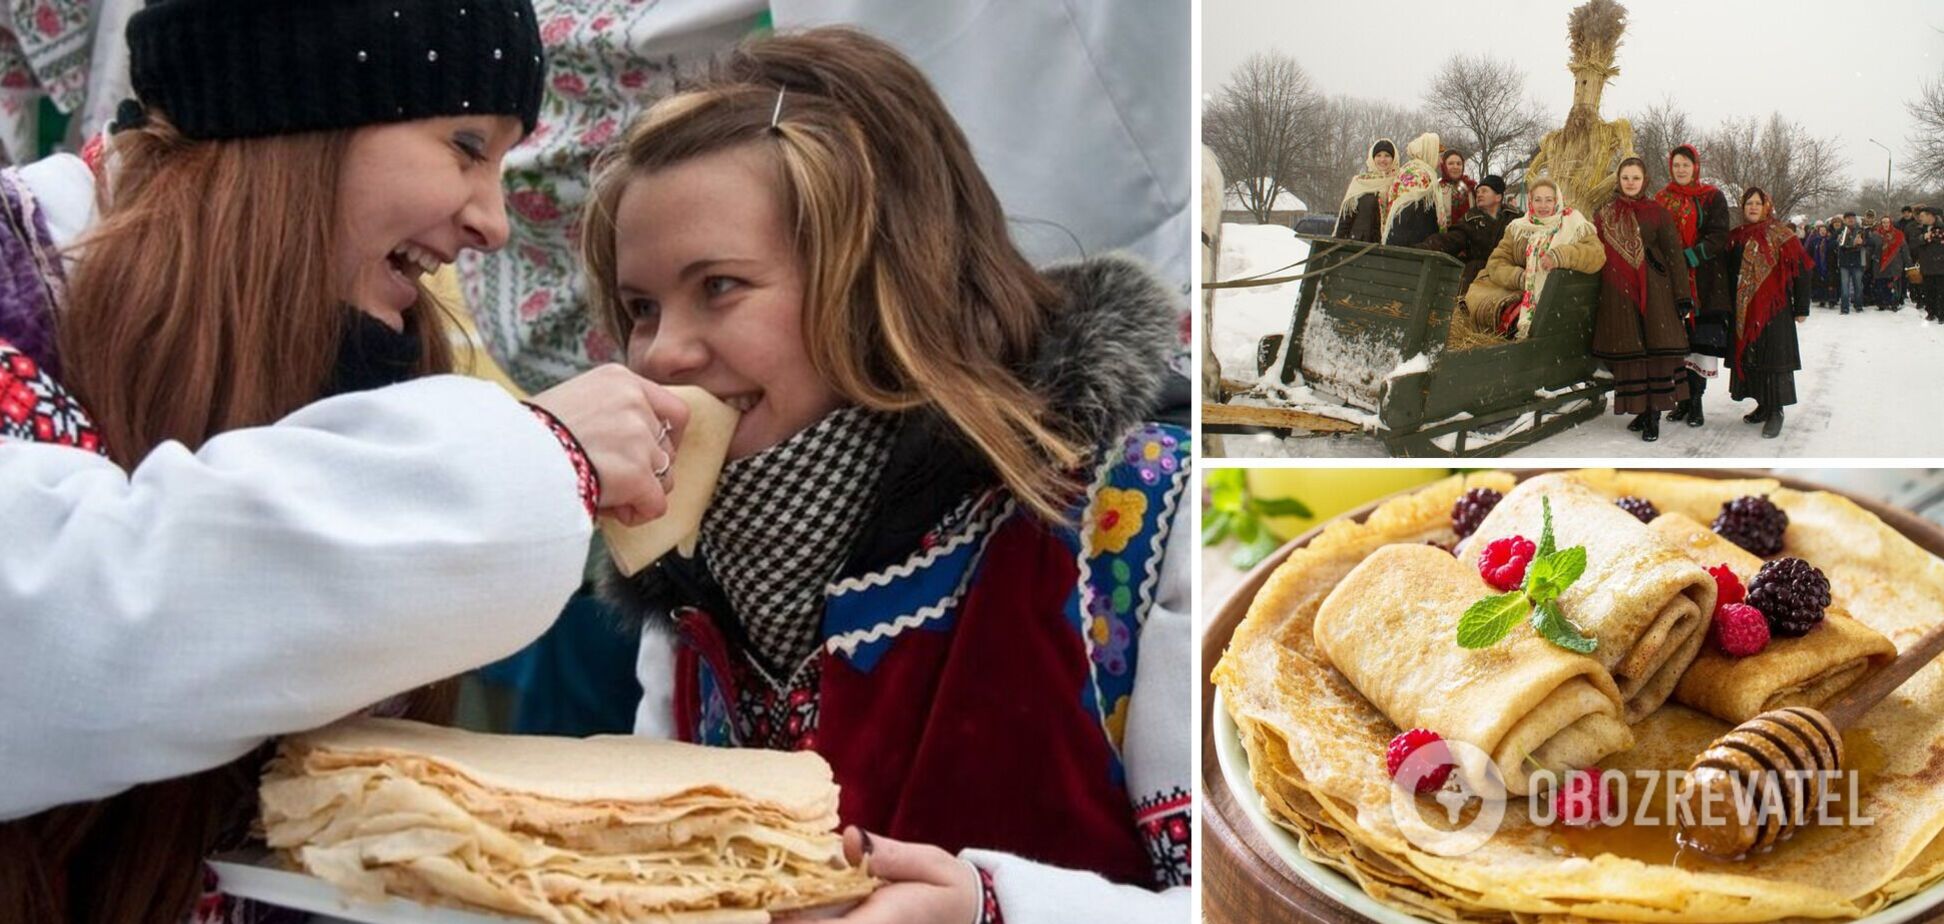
(1242, 877)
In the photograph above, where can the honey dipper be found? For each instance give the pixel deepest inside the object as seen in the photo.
(1732, 771)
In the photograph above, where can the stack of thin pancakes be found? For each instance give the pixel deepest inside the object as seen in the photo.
(611, 828)
(1316, 738)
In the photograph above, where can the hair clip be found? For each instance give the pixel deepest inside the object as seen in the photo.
(130, 113)
(778, 112)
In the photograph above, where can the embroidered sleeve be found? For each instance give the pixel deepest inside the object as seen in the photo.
(589, 481)
(1163, 822)
(988, 899)
(36, 408)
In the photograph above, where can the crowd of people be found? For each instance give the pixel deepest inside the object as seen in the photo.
(1684, 288)
(1877, 262)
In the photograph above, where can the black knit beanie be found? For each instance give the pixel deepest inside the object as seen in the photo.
(249, 68)
(1494, 181)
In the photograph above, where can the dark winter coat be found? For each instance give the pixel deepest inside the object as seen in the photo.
(1621, 331)
(1848, 250)
(1414, 223)
(1473, 239)
(1776, 350)
(1363, 223)
(1714, 289)
(1928, 251)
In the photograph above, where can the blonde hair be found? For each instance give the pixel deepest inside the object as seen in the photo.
(204, 300)
(914, 295)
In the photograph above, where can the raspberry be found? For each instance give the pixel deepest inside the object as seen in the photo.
(1740, 630)
(1753, 523)
(1642, 508)
(1580, 801)
(1728, 587)
(1504, 563)
(1408, 743)
(1791, 593)
(1470, 510)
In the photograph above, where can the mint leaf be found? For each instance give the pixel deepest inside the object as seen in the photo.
(1545, 533)
(1216, 527)
(1553, 626)
(1226, 488)
(1280, 507)
(1488, 620)
(1539, 575)
(1257, 549)
(1567, 566)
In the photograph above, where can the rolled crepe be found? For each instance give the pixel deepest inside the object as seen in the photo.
(1806, 671)
(1646, 604)
(1391, 628)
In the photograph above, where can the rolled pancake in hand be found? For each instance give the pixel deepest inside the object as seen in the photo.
(1646, 604)
(1806, 671)
(697, 468)
(1391, 628)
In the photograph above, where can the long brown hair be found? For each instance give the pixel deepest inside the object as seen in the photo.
(202, 302)
(914, 295)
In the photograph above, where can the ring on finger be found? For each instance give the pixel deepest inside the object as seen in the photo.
(662, 438)
(668, 462)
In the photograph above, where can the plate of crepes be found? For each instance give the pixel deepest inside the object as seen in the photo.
(1476, 701)
(383, 820)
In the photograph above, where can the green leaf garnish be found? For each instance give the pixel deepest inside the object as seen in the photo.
(1558, 572)
(1280, 507)
(1545, 532)
(1553, 626)
(1488, 621)
(1216, 527)
(1550, 572)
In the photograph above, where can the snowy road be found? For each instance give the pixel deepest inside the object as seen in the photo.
(1870, 386)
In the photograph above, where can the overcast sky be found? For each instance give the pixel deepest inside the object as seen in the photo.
(1842, 67)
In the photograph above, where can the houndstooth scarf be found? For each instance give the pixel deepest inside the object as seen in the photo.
(783, 521)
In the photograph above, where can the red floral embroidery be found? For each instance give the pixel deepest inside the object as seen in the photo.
(988, 900)
(599, 133)
(556, 30)
(1163, 821)
(534, 205)
(587, 480)
(570, 84)
(535, 304)
(36, 408)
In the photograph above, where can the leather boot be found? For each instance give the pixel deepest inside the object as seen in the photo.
(1651, 431)
(1772, 427)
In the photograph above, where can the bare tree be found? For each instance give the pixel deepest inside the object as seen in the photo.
(1480, 103)
(1257, 124)
(1927, 143)
(1657, 129)
(1793, 166)
(1337, 148)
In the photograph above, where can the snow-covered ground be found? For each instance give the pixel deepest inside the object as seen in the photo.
(1867, 385)
(1242, 316)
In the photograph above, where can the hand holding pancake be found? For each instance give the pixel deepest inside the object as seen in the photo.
(630, 429)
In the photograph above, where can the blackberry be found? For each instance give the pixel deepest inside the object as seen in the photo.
(1791, 593)
(1752, 523)
(1642, 508)
(1470, 510)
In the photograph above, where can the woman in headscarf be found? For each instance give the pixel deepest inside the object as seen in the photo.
(1421, 205)
(1549, 237)
(1887, 269)
(1637, 328)
(1455, 186)
(1700, 213)
(1770, 269)
(1366, 204)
